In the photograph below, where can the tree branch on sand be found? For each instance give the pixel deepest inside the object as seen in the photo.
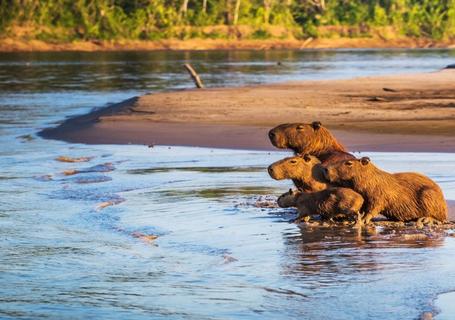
(197, 80)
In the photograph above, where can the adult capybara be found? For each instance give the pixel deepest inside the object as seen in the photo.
(329, 203)
(404, 196)
(311, 138)
(303, 170)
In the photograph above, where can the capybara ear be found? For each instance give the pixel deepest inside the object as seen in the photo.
(316, 125)
(365, 161)
(306, 157)
(349, 163)
(291, 192)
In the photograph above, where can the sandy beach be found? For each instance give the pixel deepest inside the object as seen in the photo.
(413, 112)
(24, 45)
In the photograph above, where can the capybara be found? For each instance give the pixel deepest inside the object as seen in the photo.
(329, 203)
(311, 138)
(403, 196)
(303, 170)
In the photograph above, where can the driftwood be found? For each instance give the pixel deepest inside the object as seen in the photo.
(389, 90)
(194, 76)
(379, 99)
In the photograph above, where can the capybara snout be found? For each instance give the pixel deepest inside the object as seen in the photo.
(271, 172)
(277, 138)
(271, 134)
(287, 199)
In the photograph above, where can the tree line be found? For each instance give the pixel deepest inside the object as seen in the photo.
(159, 19)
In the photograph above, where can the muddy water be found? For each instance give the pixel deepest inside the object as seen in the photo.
(139, 232)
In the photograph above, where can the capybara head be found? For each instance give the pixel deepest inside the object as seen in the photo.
(298, 167)
(346, 171)
(310, 138)
(287, 199)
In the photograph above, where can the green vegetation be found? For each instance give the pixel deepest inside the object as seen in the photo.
(67, 20)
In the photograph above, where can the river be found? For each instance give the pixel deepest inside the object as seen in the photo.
(185, 235)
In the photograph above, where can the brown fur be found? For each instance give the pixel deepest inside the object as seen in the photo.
(311, 138)
(303, 170)
(404, 196)
(328, 203)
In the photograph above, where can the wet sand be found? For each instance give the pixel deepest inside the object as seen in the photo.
(414, 112)
(20, 45)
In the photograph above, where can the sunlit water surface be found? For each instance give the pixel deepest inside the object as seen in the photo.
(218, 255)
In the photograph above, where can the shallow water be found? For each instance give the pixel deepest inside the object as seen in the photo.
(79, 245)
(217, 255)
(445, 306)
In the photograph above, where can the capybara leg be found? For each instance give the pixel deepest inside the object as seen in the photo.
(304, 215)
(427, 221)
(302, 218)
(359, 221)
(434, 205)
(370, 213)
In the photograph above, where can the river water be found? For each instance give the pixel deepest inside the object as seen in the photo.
(77, 246)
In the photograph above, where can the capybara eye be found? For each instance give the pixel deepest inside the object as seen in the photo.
(293, 161)
(316, 125)
(300, 127)
(365, 161)
(348, 163)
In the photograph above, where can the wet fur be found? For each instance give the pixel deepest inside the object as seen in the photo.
(404, 196)
(310, 138)
(303, 170)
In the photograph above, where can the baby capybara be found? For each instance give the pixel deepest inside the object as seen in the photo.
(303, 170)
(311, 138)
(329, 203)
(403, 196)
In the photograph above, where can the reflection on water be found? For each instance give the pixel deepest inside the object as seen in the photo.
(219, 192)
(139, 71)
(339, 252)
(185, 233)
(198, 169)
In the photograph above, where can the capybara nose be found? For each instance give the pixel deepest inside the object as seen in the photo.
(271, 134)
(270, 170)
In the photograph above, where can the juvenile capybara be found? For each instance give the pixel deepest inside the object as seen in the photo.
(329, 203)
(303, 170)
(311, 138)
(403, 196)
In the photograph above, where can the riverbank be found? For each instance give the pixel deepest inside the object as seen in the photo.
(414, 112)
(17, 45)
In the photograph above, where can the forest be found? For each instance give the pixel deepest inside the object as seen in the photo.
(69, 20)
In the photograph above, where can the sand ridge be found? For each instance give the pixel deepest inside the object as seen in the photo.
(415, 110)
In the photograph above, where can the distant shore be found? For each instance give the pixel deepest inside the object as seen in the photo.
(414, 112)
(19, 45)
